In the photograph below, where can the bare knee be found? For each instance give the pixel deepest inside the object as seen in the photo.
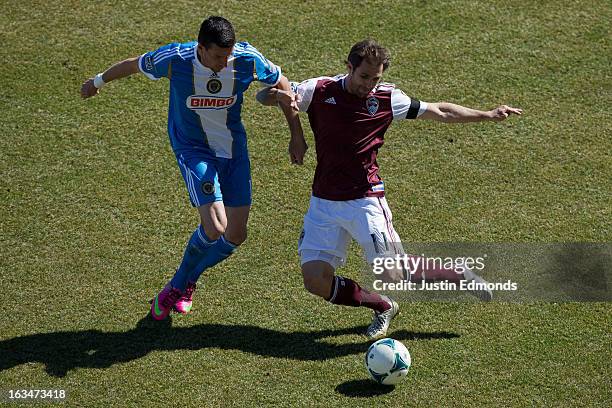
(213, 219)
(213, 232)
(236, 237)
(237, 219)
(213, 226)
(318, 278)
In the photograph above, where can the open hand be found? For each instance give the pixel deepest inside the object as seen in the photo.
(502, 112)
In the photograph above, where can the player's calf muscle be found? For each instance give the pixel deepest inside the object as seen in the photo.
(317, 279)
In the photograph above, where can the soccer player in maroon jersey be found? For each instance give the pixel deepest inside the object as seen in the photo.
(349, 115)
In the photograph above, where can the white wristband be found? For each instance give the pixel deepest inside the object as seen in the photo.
(98, 81)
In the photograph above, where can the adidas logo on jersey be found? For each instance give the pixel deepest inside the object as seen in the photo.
(331, 100)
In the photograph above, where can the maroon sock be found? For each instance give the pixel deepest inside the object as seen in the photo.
(348, 293)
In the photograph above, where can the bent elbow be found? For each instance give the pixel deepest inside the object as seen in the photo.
(263, 97)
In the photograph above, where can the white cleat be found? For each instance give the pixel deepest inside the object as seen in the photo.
(380, 323)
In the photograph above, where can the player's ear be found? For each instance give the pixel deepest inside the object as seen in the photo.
(349, 67)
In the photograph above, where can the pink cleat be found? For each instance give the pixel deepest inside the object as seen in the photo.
(164, 301)
(183, 305)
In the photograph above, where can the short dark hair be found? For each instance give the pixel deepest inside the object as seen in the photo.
(371, 51)
(217, 30)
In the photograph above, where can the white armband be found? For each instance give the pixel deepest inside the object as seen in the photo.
(98, 81)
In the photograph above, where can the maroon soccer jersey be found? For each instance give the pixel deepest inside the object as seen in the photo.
(348, 132)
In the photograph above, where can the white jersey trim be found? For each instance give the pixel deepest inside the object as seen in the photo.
(214, 121)
(306, 90)
(401, 103)
(422, 108)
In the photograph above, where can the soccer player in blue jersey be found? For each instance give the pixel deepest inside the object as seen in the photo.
(207, 82)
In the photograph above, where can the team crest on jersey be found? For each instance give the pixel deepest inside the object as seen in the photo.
(196, 102)
(213, 85)
(372, 105)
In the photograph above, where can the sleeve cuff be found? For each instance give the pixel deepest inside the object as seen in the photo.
(280, 75)
(422, 108)
(148, 75)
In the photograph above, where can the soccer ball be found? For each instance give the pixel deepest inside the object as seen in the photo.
(387, 361)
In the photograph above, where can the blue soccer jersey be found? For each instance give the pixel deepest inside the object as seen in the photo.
(204, 108)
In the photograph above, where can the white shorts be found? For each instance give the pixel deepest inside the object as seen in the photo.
(329, 226)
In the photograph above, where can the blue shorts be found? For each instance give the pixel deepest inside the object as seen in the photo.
(210, 178)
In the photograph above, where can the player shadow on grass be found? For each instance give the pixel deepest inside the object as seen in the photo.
(61, 352)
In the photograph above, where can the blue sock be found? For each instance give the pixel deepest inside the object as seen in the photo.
(218, 252)
(197, 247)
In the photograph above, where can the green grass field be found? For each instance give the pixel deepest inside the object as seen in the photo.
(95, 216)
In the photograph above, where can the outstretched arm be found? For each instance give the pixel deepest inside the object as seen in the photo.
(92, 86)
(452, 113)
